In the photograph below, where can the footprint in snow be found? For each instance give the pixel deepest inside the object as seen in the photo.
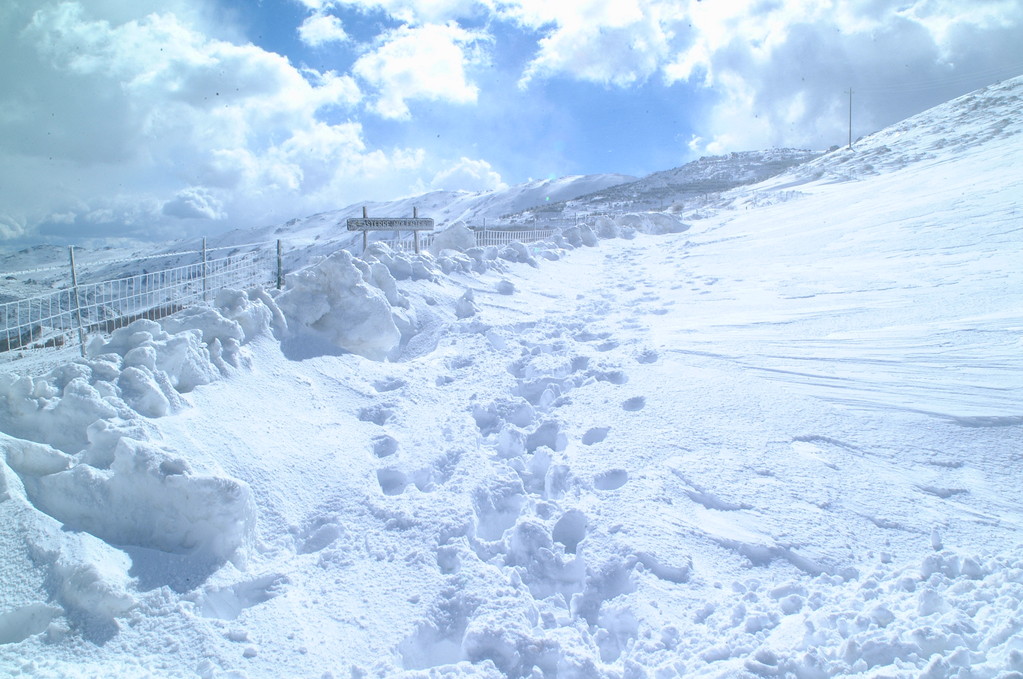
(612, 479)
(633, 404)
(318, 538)
(227, 603)
(612, 376)
(377, 414)
(647, 356)
(385, 445)
(459, 362)
(388, 384)
(570, 530)
(587, 336)
(392, 481)
(595, 435)
(438, 472)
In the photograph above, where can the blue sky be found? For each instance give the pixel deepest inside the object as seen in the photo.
(172, 118)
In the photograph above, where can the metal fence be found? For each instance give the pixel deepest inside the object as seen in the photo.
(45, 329)
(484, 238)
(62, 321)
(495, 237)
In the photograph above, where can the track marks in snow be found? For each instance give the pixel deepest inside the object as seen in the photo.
(595, 435)
(388, 384)
(647, 356)
(633, 404)
(534, 514)
(612, 479)
(378, 414)
(530, 519)
(570, 530)
(397, 476)
(227, 603)
(392, 481)
(384, 445)
(320, 535)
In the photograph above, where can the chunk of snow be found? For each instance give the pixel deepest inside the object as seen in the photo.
(331, 301)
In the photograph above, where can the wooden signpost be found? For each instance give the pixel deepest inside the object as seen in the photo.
(415, 224)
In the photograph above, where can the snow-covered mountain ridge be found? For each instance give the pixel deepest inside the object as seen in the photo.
(676, 189)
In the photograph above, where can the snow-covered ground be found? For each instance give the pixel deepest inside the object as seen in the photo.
(786, 442)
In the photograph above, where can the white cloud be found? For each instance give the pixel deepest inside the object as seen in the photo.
(417, 12)
(10, 227)
(194, 203)
(774, 71)
(617, 42)
(136, 123)
(320, 29)
(468, 175)
(427, 63)
(780, 72)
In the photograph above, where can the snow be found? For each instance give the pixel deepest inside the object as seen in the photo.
(778, 435)
(331, 303)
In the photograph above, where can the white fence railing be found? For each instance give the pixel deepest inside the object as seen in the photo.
(484, 238)
(42, 330)
(494, 237)
(61, 322)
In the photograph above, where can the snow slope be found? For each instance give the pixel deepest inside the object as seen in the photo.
(783, 443)
(445, 207)
(682, 188)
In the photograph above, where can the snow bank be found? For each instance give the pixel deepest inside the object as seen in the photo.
(332, 302)
(150, 498)
(456, 237)
(652, 223)
(363, 305)
(51, 571)
(80, 477)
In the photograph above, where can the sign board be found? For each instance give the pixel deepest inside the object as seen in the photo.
(390, 224)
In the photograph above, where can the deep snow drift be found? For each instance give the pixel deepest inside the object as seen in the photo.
(785, 442)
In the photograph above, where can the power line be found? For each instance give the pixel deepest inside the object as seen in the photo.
(931, 84)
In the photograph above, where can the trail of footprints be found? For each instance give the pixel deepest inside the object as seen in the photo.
(392, 479)
(523, 518)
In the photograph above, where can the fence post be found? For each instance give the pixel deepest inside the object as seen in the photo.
(365, 232)
(74, 297)
(415, 234)
(205, 289)
(280, 265)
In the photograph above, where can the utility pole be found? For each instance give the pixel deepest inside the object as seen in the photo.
(850, 118)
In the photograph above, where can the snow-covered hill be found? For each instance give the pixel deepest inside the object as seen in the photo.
(679, 189)
(784, 443)
(445, 207)
(472, 208)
